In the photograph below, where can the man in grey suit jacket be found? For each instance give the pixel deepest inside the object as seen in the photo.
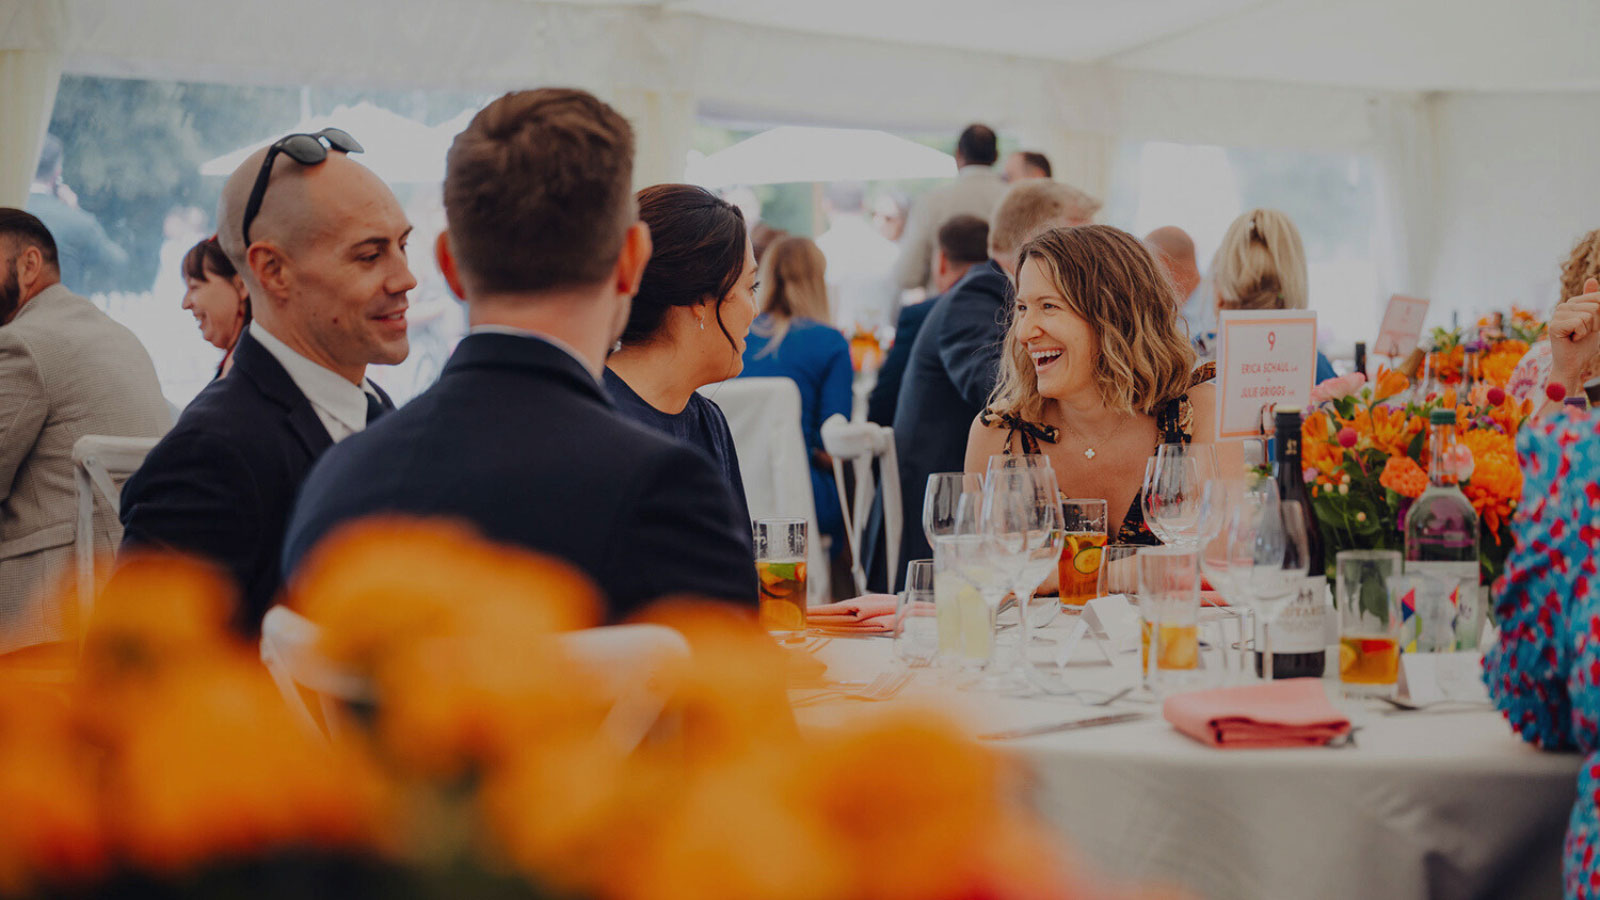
(66, 370)
(975, 192)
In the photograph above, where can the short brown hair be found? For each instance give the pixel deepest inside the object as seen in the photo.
(1109, 279)
(1032, 205)
(538, 192)
(964, 240)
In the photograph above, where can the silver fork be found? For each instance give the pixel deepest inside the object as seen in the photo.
(886, 685)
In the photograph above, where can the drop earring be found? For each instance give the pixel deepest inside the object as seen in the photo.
(702, 324)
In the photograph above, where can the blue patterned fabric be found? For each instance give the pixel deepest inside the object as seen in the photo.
(1545, 672)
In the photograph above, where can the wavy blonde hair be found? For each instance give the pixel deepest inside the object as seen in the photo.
(1109, 279)
(1261, 263)
(793, 286)
(1583, 263)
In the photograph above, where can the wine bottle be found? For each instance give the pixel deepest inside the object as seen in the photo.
(1299, 645)
(1361, 357)
(1442, 531)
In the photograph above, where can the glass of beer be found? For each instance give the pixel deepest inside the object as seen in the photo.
(1369, 622)
(1169, 603)
(781, 570)
(1079, 569)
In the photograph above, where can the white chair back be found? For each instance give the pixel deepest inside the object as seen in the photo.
(625, 660)
(764, 416)
(862, 443)
(100, 464)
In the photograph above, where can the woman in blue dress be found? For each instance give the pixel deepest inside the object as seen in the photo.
(791, 339)
(1261, 264)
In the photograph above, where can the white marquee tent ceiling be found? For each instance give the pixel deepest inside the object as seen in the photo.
(1405, 45)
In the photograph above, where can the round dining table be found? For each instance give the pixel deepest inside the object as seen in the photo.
(1442, 802)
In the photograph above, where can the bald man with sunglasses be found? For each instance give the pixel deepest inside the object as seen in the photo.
(321, 244)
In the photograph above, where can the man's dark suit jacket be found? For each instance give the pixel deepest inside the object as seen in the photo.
(518, 439)
(954, 363)
(886, 393)
(221, 483)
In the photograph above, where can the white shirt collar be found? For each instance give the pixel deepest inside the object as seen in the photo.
(973, 169)
(559, 344)
(331, 395)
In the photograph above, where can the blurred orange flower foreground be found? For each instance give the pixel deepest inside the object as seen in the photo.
(472, 761)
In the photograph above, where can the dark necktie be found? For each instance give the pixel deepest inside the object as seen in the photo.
(375, 408)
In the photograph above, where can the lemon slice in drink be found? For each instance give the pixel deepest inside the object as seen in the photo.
(1347, 658)
(1087, 562)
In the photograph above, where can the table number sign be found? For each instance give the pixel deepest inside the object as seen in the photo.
(1442, 677)
(1114, 619)
(1402, 326)
(1265, 358)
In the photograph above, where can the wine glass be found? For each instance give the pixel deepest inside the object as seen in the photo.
(970, 558)
(1024, 531)
(1173, 482)
(1268, 560)
(1001, 461)
(1219, 507)
(939, 501)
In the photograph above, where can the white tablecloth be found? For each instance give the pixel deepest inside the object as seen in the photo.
(1426, 804)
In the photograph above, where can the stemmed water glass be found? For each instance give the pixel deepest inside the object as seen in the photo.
(940, 500)
(1268, 559)
(1173, 481)
(1220, 505)
(1023, 527)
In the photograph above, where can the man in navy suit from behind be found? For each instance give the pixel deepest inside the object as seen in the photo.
(518, 437)
(327, 273)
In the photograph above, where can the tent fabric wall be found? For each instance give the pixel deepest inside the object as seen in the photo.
(31, 39)
(1518, 186)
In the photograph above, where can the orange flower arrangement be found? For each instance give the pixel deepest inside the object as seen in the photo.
(476, 751)
(1500, 360)
(1368, 458)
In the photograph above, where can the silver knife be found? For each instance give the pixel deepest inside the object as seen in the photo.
(1073, 725)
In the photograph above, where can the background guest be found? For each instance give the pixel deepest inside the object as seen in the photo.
(1533, 372)
(518, 437)
(963, 243)
(1095, 373)
(66, 370)
(956, 355)
(1261, 264)
(889, 209)
(216, 297)
(325, 263)
(1197, 309)
(1025, 164)
(976, 190)
(89, 258)
(792, 339)
(861, 292)
(688, 324)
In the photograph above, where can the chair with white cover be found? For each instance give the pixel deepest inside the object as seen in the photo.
(862, 443)
(764, 416)
(100, 464)
(626, 661)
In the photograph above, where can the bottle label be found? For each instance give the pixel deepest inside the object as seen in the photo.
(1450, 612)
(1301, 627)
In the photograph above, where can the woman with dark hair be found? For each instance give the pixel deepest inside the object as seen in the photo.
(688, 323)
(216, 297)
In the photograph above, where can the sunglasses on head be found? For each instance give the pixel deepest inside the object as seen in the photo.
(305, 149)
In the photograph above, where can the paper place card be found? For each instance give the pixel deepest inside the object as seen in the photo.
(1265, 358)
(1114, 619)
(1070, 643)
(1434, 677)
(1402, 326)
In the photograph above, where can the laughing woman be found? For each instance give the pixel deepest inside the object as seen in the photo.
(1096, 372)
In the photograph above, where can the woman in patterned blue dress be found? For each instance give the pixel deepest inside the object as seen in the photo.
(1545, 672)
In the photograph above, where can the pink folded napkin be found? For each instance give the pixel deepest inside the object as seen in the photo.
(1292, 713)
(870, 612)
